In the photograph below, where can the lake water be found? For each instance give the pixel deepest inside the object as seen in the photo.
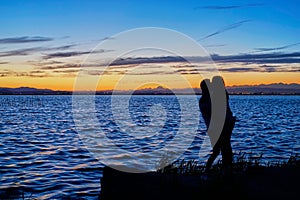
(42, 152)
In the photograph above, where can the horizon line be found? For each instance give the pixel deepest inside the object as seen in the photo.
(150, 88)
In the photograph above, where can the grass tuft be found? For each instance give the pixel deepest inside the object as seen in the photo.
(241, 163)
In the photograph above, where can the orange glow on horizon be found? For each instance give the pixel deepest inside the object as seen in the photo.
(110, 82)
(256, 78)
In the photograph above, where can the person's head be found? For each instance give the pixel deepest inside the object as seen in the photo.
(218, 80)
(218, 85)
(204, 86)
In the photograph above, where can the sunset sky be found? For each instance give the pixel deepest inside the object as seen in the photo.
(44, 44)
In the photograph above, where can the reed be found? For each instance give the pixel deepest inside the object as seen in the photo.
(241, 163)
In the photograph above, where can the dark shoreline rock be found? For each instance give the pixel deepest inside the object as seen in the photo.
(255, 183)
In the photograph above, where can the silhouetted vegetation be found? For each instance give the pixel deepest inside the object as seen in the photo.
(242, 162)
(251, 177)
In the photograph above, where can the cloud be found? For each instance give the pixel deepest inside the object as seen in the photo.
(64, 47)
(38, 73)
(5, 73)
(65, 54)
(72, 53)
(32, 50)
(261, 68)
(25, 39)
(192, 70)
(106, 38)
(66, 71)
(268, 62)
(63, 66)
(239, 69)
(44, 62)
(275, 48)
(20, 52)
(214, 45)
(107, 72)
(145, 69)
(64, 37)
(147, 60)
(226, 28)
(216, 7)
(252, 68)
(264, 58)
(33, 74)
(189, 71)
(258, 62)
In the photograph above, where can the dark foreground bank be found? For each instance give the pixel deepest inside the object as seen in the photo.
(187, 180)
(254, 182)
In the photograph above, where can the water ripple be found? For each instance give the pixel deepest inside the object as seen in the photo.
(41, 151)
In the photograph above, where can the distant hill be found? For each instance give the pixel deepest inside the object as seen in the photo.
(29, 91)
(275, 88)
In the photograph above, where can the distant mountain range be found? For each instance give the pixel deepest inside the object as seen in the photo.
(29, 91)
(275, 88)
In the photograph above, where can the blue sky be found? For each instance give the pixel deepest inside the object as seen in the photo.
(222, 27)
(272, 24)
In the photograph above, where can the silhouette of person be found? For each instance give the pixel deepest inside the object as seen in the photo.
(223, 144)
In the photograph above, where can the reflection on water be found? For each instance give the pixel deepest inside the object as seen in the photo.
(40, 149)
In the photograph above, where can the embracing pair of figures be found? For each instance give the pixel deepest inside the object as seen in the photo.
(222, 144)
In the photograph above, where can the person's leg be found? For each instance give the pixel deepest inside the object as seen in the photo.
(213, 156)
(226, 149)
(227, 155)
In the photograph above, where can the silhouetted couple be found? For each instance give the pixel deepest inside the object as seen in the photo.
(212, 96)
